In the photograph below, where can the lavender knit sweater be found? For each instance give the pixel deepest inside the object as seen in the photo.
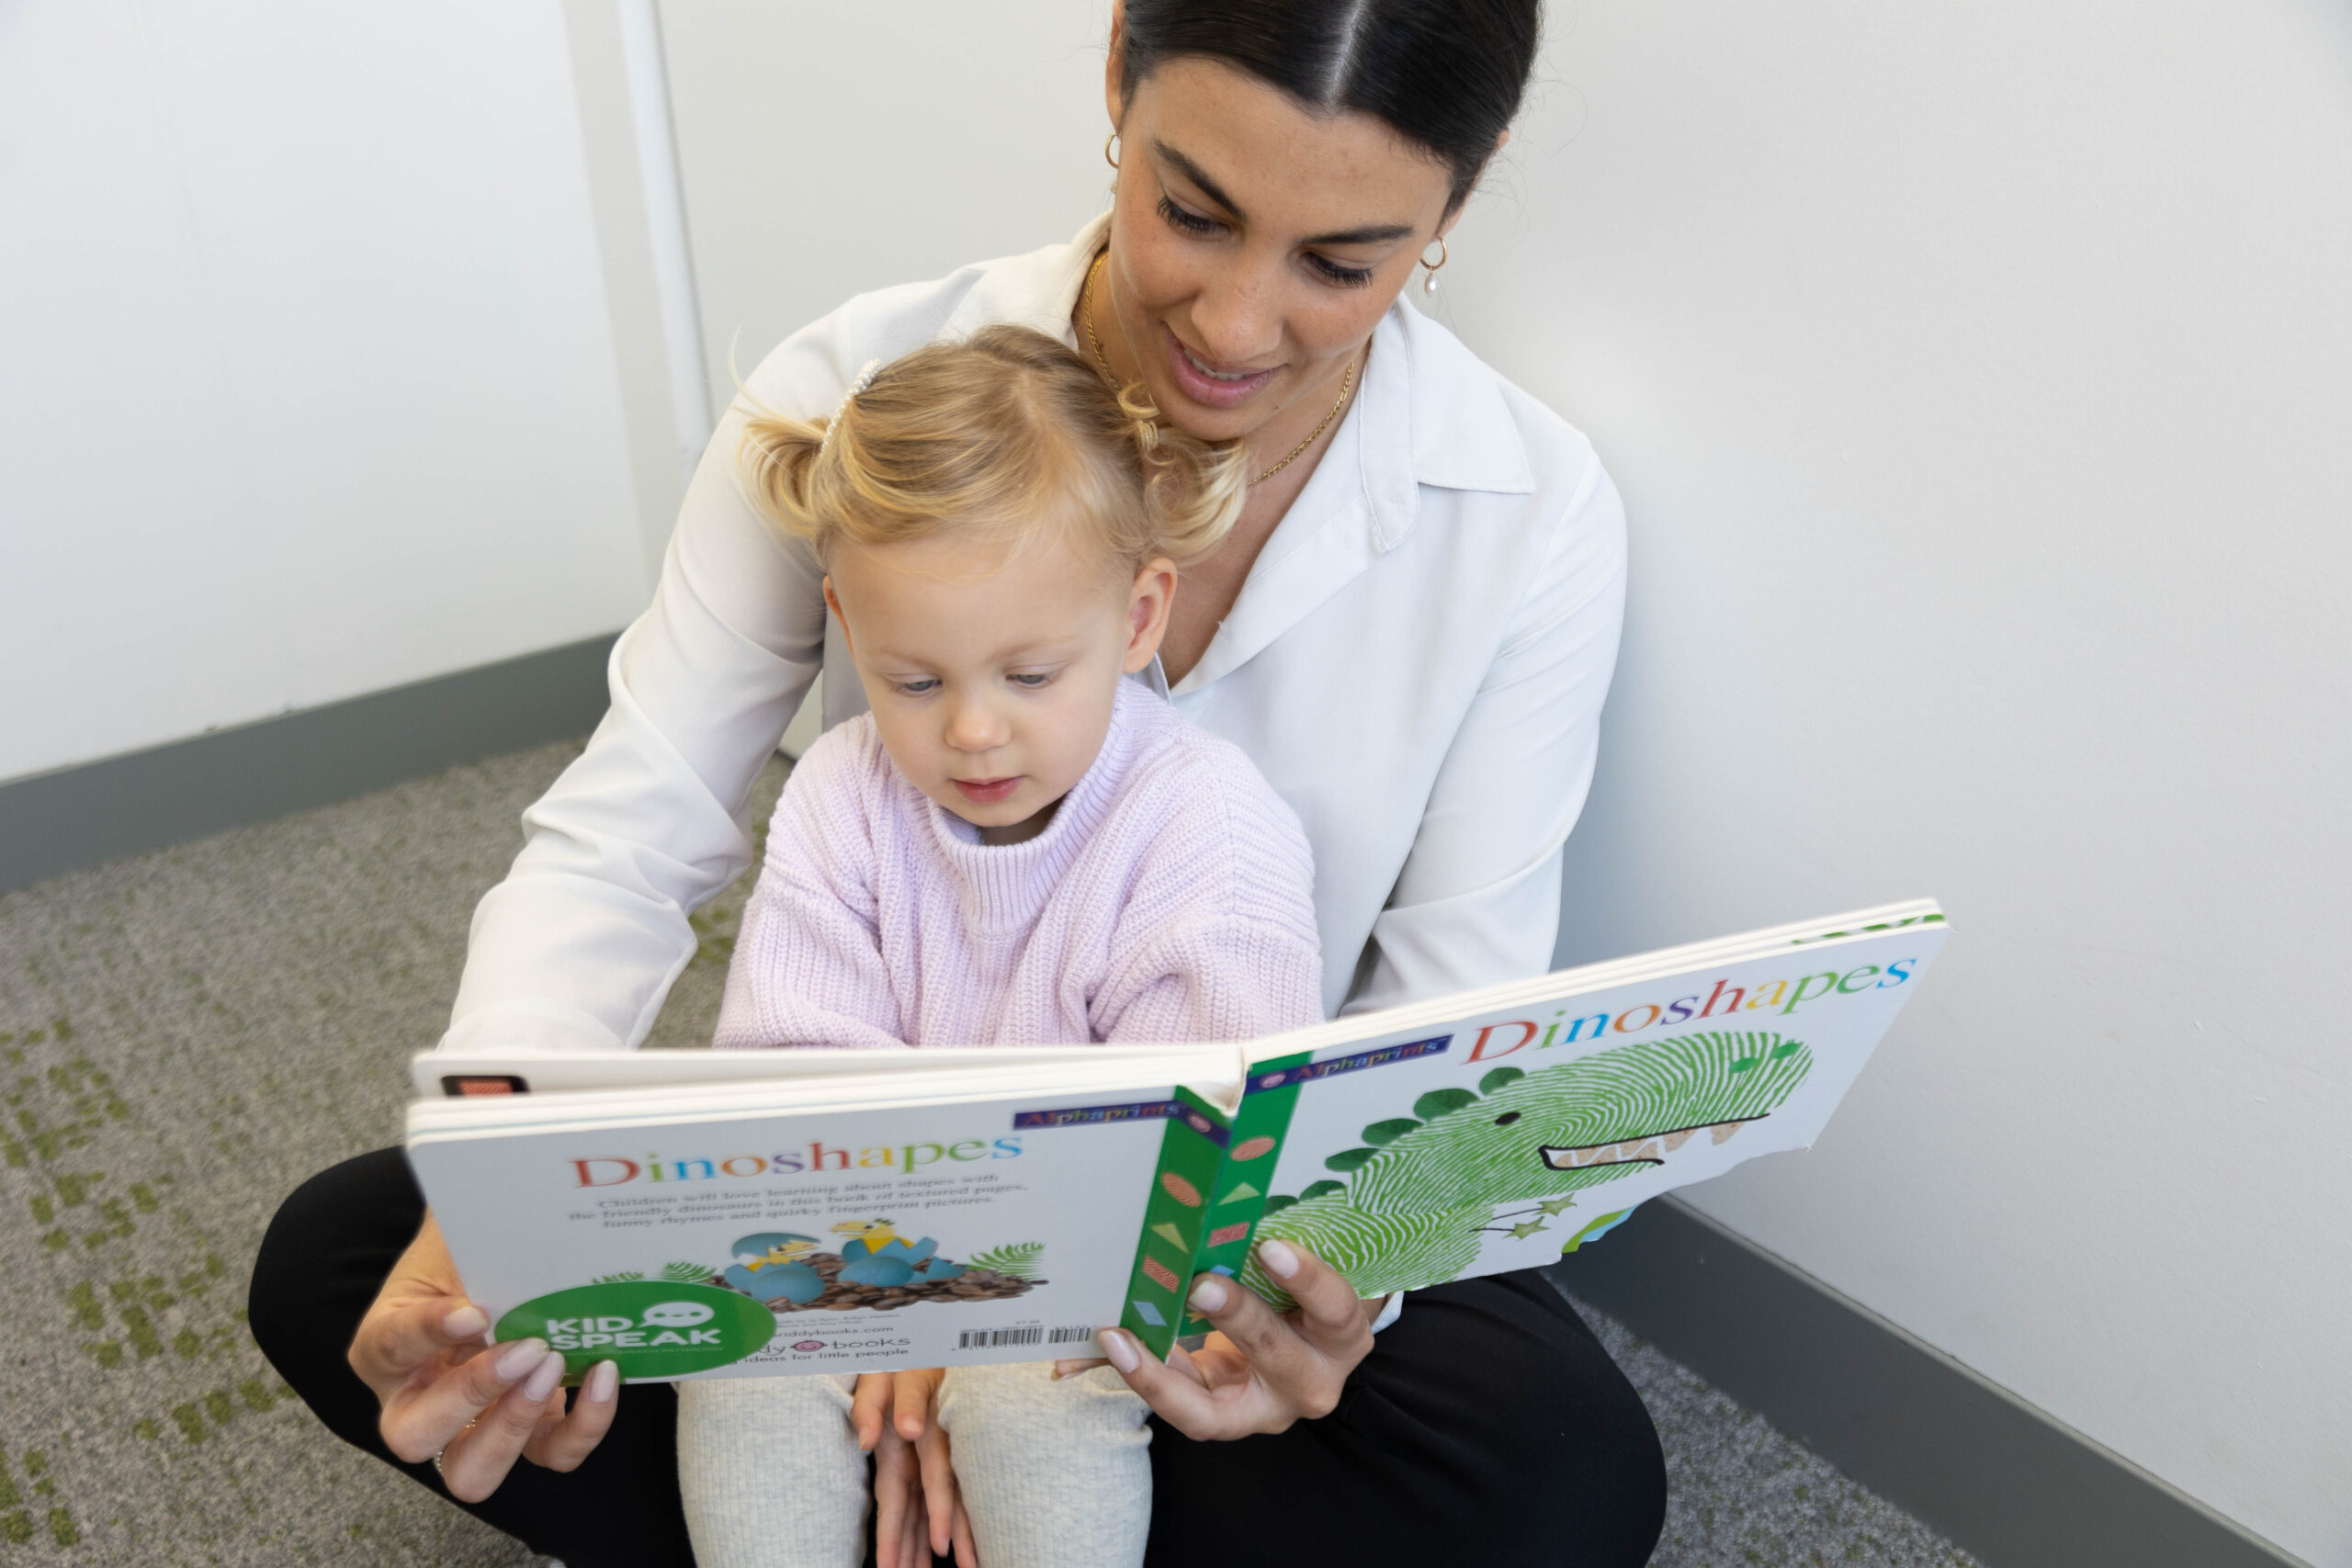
(1170, 899)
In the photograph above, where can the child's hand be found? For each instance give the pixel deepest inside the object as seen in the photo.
(915, 1484)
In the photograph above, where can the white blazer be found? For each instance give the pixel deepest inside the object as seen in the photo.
(1417, 660)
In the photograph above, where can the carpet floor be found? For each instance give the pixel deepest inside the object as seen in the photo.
(186, 1035)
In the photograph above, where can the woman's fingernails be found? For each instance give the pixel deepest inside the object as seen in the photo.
(518, 1358)
(603, 1378)
(1280, 1260)
(542, 1381)
(1121, 1351)
(467, 1323)
(1209, 1293)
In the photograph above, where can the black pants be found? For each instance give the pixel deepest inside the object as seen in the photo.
(1487, 1426)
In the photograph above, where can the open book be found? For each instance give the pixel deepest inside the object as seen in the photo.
(730, 1213)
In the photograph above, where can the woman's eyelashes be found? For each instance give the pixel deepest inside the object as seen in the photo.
(1187, 223)
(1332, 272)
(1202, 226)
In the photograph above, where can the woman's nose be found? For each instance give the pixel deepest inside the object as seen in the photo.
(1236, 314)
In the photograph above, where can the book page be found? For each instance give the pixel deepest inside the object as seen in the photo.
(1511, 1135)
(850, 1240)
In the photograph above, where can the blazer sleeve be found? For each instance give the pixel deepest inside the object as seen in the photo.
(578, 945)
(1479, 899)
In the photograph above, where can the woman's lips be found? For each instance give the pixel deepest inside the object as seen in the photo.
(1216, 391)
(987, 792)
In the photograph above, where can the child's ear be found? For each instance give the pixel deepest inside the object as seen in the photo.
(834, 604)
(1153, 594)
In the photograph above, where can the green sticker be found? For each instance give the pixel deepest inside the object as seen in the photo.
(652, 1328)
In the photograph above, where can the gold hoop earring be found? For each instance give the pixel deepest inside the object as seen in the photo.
(1428, 283)
(1106, 150)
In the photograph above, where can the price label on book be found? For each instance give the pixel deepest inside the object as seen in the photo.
(651, 1328)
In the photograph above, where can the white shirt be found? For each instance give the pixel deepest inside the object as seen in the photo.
(1417, 661)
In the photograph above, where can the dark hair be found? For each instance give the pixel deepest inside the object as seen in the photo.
(1445, 74)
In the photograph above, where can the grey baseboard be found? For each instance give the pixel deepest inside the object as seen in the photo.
(1997, 1476)
(98, 812)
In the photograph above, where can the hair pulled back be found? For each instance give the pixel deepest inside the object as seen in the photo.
(1445, 74)
(1005, 433)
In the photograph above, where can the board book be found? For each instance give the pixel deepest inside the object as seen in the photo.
(690, 1213)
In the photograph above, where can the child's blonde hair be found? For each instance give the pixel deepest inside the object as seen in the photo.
(1008, 432)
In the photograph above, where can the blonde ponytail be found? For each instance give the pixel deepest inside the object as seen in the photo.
(778, 460)
(1003, 435)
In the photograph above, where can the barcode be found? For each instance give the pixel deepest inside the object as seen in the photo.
(990, 1339)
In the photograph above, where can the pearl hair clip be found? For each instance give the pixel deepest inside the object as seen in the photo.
(864, 379)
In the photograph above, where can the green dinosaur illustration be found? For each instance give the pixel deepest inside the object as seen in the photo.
(1408, 1207)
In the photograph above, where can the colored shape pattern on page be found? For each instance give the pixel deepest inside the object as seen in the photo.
(1206, 1202)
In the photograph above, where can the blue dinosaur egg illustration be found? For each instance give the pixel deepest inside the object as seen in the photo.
(794, 1283)
(877, 1270)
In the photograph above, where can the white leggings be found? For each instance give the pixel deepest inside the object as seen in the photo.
(1051, 1472)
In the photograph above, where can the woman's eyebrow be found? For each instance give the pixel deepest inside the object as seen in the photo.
(1370, 235)
(1366, 234)
(1199, 177)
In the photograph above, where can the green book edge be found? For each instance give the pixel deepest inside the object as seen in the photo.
(1208, 1193)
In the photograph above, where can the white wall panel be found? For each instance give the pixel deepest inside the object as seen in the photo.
(1978, 378)
(828, 150)
(306, 387)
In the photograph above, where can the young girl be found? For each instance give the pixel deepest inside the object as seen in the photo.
(1018, 844)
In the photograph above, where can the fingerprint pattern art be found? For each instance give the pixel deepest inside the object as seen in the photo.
(1411, 1206)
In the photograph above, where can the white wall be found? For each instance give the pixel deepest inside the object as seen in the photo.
(828, 149)
(307, 384)
(1979, 379)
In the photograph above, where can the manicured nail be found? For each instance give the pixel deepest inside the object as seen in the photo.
(1209, 1293)
(604, 1378)
(518, 1358)
(542, 1381)
(1120, 1350)
(466, 1323)
(1281, 1261)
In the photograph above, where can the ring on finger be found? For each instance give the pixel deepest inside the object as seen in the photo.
(445, 1448)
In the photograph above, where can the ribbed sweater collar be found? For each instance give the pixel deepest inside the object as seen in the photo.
(1004, 886)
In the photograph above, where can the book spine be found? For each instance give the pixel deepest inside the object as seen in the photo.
(1253, 1149)
(1208, 1194)
(1191, 1156)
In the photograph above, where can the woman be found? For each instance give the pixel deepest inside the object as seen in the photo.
(1410, 630)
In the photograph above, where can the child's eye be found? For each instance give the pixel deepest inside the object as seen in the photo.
(921, 688)
(1032, 680)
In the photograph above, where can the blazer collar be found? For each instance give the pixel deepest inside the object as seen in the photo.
(1038, 290)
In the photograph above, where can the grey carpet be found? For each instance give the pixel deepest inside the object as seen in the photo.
(186, 1035)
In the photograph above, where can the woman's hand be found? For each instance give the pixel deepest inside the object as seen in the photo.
(915, 1484)
(444, 1392)
(1261, 1370)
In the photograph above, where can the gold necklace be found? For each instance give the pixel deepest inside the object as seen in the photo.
(1086, 314)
